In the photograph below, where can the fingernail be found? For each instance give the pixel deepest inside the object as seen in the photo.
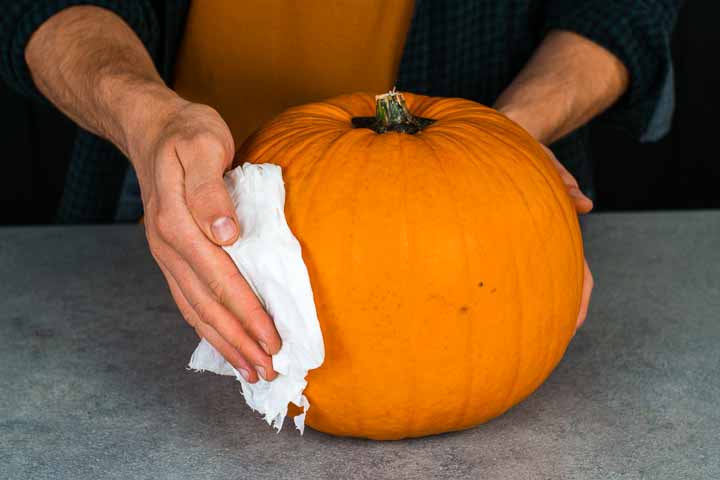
(245, 374)
(261, 371)
(265, 347)
(223, 229)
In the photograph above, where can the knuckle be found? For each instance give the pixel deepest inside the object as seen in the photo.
(216, 287)
(208, 144)
(154, 243)
(207, 140)
(189, 316)
(165, 224)
(155, 251)
(201, 312)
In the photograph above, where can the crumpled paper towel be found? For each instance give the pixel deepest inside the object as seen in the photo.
(268, 256)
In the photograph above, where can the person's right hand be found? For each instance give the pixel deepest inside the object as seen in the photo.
(180, 160)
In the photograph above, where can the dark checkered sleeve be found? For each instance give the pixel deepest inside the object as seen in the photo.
(20, 18)
(638, 33)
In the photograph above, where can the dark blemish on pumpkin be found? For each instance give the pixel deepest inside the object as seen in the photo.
(481, 284)
(464, 309)
(493, 290)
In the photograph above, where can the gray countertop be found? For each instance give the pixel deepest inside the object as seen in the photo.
(93, 381)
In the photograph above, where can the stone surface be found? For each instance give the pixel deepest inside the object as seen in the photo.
(93, 384)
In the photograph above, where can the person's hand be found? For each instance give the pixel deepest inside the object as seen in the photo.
(180, 160)
(91, 65)
(582, 205)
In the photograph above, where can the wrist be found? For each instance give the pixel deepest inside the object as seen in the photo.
(568, 81)
(543, 105)
(542, 123)
(141, 108)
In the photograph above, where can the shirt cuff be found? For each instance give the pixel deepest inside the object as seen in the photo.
(22, 18)
(639, 37)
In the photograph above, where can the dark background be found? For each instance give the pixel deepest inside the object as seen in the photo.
(679, 172)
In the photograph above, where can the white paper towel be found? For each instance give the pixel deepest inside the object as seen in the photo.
(268, 256)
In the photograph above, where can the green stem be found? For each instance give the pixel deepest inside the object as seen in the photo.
(392, 115)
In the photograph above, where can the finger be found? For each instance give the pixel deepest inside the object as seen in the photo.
(205, 160)
(228, 286)
(215, 315)
(212, 265)
(588, 284)
(228, 352)
(581, 202)
(566, 176)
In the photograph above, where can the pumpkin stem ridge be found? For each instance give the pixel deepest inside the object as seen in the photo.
(392, 115)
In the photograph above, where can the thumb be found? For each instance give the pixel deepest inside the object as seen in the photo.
(205, 192)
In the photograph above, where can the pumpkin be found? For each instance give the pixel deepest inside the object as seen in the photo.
(444, 254)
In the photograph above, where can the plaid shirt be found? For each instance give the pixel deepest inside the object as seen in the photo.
(457, 48)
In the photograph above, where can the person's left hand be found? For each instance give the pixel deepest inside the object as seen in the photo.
(582, 205)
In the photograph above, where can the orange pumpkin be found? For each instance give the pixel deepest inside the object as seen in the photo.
(444, 255)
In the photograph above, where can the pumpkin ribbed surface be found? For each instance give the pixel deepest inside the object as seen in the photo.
(446, 265)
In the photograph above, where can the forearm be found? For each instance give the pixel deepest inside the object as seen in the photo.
(568, 81)
(91, 65)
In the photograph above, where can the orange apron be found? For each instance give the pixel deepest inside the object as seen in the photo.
(252, 59)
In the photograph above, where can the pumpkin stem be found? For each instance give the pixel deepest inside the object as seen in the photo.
(392, 115)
